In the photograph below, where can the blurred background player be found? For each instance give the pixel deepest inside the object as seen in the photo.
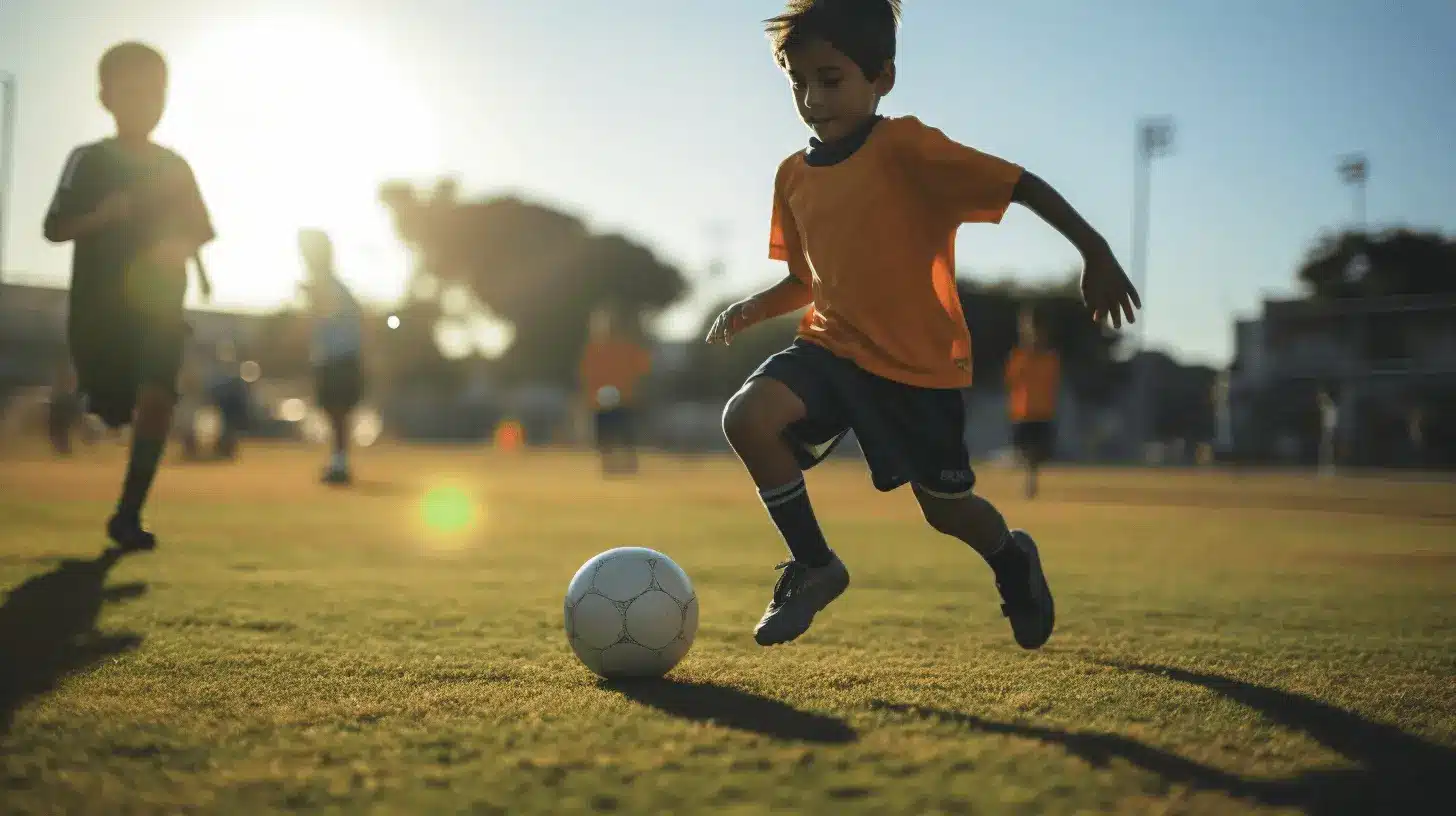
(64, 410)
(1033, 381)
(612, 365)
(337, 347)
(136, 217)
(1329, 417)
(227, 392)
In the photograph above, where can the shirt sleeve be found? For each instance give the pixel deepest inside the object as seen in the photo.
(194, 215)
(967, 185)
(76, 193)
(784, 243)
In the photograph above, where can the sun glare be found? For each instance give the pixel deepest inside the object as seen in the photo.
(293, 122)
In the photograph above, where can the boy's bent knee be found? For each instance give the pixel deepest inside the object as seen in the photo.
(762, 408)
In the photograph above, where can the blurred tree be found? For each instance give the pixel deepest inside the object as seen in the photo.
(1183, 406)
(1394, 262)
(540, 270)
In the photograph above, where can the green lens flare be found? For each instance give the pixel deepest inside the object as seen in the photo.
(448, 510)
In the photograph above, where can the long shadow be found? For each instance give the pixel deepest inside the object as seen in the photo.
(1396, 773)
(1396, 769)
(733, 708)
(48, 629)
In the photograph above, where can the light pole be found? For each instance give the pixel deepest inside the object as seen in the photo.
(8, 84)
(1153, 138)
(1355, 171)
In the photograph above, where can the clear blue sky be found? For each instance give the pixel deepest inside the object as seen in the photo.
(660, 117)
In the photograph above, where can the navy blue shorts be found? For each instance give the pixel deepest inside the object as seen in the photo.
(1036, 440)
(118, 351)
(908, 434)
(339, 384)
(615, 427)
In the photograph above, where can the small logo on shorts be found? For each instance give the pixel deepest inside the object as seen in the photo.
(963, 363)
(956, 476)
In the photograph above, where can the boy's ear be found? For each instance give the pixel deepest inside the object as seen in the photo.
(886, 81)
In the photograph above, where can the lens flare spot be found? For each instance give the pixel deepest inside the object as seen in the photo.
(448, 510)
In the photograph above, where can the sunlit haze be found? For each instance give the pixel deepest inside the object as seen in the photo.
(663, 118)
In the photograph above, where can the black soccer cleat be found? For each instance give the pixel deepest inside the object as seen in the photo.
(801, 593)
(127, 534)
(1026, 596)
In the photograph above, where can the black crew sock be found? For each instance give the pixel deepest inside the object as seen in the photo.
(789, 507)
(146, 455)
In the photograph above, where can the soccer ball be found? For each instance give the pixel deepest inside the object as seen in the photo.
(631, 612)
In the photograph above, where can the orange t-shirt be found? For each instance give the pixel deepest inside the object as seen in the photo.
(1033, 377)
(874, 235)
(619, 364)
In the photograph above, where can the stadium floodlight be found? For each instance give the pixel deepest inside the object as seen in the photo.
(1153, 138)
(8, 85)
(1355, 171)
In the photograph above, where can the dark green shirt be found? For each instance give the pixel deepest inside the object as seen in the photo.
(106, 266)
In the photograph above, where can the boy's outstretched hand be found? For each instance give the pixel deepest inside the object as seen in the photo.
(1107, 291)
(732, 321)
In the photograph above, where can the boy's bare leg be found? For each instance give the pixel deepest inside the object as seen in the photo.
(150, 426)
(754, 422)
(1011, 554)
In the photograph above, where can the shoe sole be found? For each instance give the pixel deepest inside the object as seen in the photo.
(782, 638)
(1029, 545)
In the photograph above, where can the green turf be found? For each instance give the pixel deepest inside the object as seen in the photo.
(1269, 643)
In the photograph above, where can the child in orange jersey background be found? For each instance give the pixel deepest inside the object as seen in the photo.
(866, 219)
(612, 366)
(1033, 384)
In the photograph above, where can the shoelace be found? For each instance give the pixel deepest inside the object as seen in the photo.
(790, 582)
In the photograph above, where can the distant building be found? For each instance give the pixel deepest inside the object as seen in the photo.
(33, 332)
(1388, 365)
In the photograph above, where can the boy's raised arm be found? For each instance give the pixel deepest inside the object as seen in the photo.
(1105, 286)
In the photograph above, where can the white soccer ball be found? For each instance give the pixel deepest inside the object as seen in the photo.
(631, 612)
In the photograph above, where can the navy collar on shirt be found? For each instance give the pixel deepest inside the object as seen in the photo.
(822, 154)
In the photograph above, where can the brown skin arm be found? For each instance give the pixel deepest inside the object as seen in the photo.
(1105, 286)
(788, 295)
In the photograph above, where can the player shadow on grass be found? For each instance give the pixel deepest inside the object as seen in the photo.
(1396, 772)
(733, 708)
(48, 629)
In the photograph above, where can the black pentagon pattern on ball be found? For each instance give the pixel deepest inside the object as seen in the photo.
(622, 606)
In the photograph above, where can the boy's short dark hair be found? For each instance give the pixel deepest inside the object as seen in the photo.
(863, 30)
(129, 57)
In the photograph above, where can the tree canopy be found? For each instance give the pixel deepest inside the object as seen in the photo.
(1394, 262)
(533, 266)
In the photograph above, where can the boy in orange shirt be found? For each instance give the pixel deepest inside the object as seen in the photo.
(611, 366)
(866, 220)
(1033, 381)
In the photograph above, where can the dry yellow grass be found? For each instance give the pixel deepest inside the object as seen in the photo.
(1268, 643)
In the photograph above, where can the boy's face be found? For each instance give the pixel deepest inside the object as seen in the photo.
(831, 92)
(136, 100)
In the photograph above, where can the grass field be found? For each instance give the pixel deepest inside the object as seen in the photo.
(1265, 643)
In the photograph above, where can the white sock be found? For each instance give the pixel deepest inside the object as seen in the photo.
(339, 461)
